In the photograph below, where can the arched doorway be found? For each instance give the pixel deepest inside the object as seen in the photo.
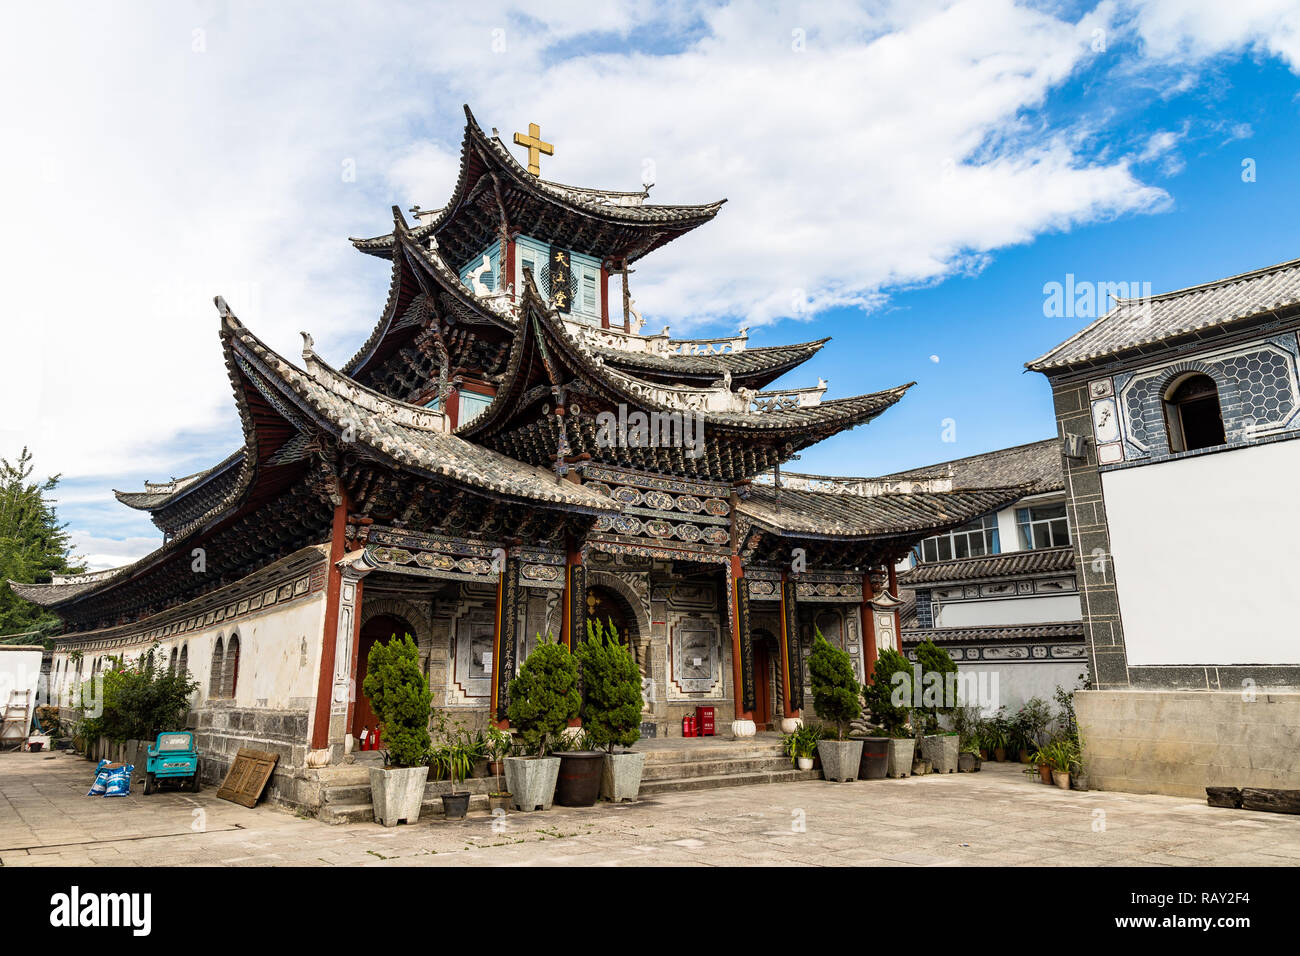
(609, 607)
(381, 627)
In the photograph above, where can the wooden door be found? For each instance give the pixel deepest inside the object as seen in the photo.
(380, 628)
(762, 687)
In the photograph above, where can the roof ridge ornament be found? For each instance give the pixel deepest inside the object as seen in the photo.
(536, 148)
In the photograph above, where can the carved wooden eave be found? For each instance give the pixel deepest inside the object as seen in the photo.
(492, 185)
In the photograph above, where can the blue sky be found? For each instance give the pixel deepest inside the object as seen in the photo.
(904, 177)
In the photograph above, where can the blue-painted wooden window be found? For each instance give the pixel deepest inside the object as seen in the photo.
(491, 278)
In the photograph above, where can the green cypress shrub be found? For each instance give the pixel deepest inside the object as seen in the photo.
(934, 660)
(835, 689)
(611, 688)
(889, 698)
(399, 695)
(544, 697)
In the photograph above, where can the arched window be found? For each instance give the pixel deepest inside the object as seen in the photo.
(171, 662)
(183, 663)
(230, 672)
(1192, 414)
(214, 679)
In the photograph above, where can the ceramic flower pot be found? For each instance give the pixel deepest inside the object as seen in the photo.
(455, 805)
(1044, 773)
(499, 801)
(578, 784)
(874, 763)
(804, 763)
(1061, 778)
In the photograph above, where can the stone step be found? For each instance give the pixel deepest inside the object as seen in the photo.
(680, 784)
(695, 754)
(358, 812)
(714, 767)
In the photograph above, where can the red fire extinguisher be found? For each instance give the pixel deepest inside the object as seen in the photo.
(688, 725)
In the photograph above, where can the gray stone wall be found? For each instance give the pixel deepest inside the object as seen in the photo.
(1099, 600)
(221, 730)
(1179, 743)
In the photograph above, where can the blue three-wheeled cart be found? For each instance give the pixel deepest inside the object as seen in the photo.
(173, 760)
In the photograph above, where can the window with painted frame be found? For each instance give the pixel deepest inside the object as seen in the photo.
(973, 540)
(1042, 526)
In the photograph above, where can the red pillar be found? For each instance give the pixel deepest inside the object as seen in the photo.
(333, 586)
(604, 296)
(869, 625)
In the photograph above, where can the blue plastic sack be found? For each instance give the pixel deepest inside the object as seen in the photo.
(100, 785)
(119, 782)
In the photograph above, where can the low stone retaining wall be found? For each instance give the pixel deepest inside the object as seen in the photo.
(1180, 742)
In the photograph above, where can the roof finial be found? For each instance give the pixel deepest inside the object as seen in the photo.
(533, 141)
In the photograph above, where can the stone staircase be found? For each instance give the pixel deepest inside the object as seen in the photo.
(670, 767)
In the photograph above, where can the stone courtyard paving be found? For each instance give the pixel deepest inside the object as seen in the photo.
(996, 817)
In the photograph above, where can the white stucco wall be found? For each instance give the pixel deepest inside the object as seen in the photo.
(1018, 610)
(1011, 684)
(1205, 551)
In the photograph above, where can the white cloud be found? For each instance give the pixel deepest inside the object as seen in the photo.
(159, 155)
(1181, 31)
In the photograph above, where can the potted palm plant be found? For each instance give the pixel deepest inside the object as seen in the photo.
(544, 698)
(399, 695)
(611, 709)
(800, 745)
(456, 760)
(835, 697)
(496, 745)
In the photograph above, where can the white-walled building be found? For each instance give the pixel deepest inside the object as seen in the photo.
(1000, 594)
(1178, 414)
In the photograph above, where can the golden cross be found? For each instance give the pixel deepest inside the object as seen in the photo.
(535, 148)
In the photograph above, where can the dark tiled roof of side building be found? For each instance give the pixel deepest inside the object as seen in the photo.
(1134, 324)
(994, 633)
(1036, 465)
(1008, 564)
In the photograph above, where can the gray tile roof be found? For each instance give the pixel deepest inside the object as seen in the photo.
(1067, 631)
(1036, 465)
(831, 514)
(1010, 564)
(1135, 323)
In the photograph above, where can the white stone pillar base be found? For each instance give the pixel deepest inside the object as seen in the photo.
(743, 728)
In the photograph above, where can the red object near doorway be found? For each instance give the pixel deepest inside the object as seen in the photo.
(704, 721)
(688, 726)
(382, 627)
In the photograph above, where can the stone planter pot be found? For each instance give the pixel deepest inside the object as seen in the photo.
(874, 763)
(455, 805)
(578, 784)
(620, 777)
(920, 767)
(966, 763)
(397, 794)
(1079, 781)
(941, 751)
(1061, 778)
(840, 759)
(531, 781)
(901, 752)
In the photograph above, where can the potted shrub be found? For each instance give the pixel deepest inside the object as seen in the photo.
(1042, 761)
(581, 763)
(456, 760)
(940, 749)
(399, 695)
(611, 709)
(1061, 754)
(800, 745)
(835, 697)
(968, 759)
(888, 697)
(544, 698)
(496, 745)
(1078, 769)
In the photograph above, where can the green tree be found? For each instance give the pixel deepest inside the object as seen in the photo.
(544, 697)
(399, 695)
(835, 689)
(33, 545)
(139, 699)
(611, 688)
(889, 697)
(936, 665)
